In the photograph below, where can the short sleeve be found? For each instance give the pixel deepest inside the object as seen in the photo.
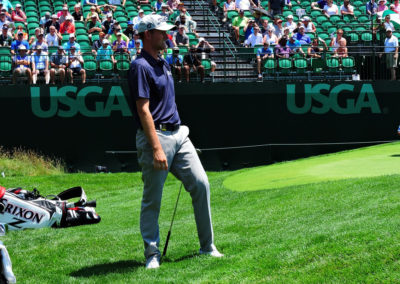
(138, 82)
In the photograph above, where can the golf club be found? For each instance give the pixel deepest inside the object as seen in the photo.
(198, 151)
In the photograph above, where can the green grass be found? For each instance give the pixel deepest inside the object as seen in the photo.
(338, 231)
(364, 162)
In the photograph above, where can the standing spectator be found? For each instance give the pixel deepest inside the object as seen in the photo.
(40, 42)
(346, 8)
(71, 43)
(175, 61)
(309, 25)
(53, 37)
(180, 37)
(129, 31)
(282, 50)
(16, 44)
(391, 53)
(65, 15)
(54, 22)
(77, 14)
(248, 29)
(270, 37)
(302, 37)
(41, 63)
(387, 24)
(290, 24)
(263, 53)
(331, 9)
(23, 63)
(319, 5)
(158, 5)
(105, 52)
(94, 27)
(341, 51)
(58, 62)
(68, 26)
(75, 65)
(255, 38)
(44, 19)
(382, 6)
(275, 7)
(193, 61)
(91, 13)
(238, 22)
(244, 4)
(18, 15)
(229, 5)
(119, 45)
(371, 8)
(396, 6)
(173, 4)
(5, 38)
(97, 43)
(334, 44)
(315, 50)
(136, 20)
(107, 23)
(90, 3)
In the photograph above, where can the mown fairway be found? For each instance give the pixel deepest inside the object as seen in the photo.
(342, 230)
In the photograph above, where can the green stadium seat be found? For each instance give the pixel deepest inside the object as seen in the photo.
(347, 28)
(207, 65)
(305, 4)
(88, 56)
(315, 13)
(366, 38)
(300, 65)
(348, 18)
(333, 65)
(334, 18)
(285, 65)
(122, 67)
(363, 19)
(5, 65)
(5, 51)
(287, 13)
(317, 65)
(270, 66)
(324, 35)
(322, 19)
(232, 14)
(326, 25)
(353, 38)
(331, 30)
(90, 67)
(357, 13)
(360, 28)
(106, 67)
(123, 56)
(348, 64)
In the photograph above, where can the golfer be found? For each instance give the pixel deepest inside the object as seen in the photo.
(162, 142)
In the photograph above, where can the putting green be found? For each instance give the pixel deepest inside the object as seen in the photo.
(364, 162)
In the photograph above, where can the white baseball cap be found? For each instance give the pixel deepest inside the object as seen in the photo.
(154, 22)
(105, 41)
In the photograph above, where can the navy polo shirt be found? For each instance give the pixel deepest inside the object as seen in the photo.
(151, 79)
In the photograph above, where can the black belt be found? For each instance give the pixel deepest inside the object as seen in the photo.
(167, 127)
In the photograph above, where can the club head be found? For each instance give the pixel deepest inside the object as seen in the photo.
(198, 151)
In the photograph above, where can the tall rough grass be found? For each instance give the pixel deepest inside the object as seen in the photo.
(21, 162)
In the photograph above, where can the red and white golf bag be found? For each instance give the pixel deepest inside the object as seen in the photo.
(21, 209)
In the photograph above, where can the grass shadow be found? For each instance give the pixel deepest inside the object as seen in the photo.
(395, 155)
(182, 258)
(121, 266)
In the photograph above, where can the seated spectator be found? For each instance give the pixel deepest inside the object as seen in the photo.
(193, 61)
(6, 4)
(275, 7)
(75, 65)
(382, 6)
(331, 9)
(255, 38)
(295, 46)
(173, 4)
(116, 2)
(204, 49)
(190, 25)
(282, 50)
(134, 48)
(387, 24)
(54, 22)
(98, 43)
(170, 39)
(53, 38)
(3, 20)
(180, 37)
(40, 42)
(157, 5)
(175, 61)
(114, 36)
(341, 51)
(229, 5)
(18, 15)
(335, 40)
(119, 45)
(65, 15)
(67, 27)
(105, 52)
(239, 22)
(165, 12)
(290, 24)
(244, 4)
(45, 19)
(59, 13)
(22, 64)
(93, 11)
(41, 65)
(270, 37)
(181, 10)
(319, 5)
(136, 20)
(248, 29)
(16, 44)
(90, 3)
(286, 33)
(71, 43)
(107, 10)
(20, 29)
(302, 37)
(58, 62)
(346, 8)
(77, 14)
(129, 31)
(8, 16)
(263, 53)
(94, 27)
(277, 25)
(108, 23)
(315, 50)
(5, 38)
(371, 8)
(308, 25)
(264, 27)
(115, 26)
(396, 6)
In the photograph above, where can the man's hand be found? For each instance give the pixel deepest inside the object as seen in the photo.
(160, 160)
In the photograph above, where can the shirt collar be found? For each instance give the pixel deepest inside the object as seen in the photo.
(152, 61)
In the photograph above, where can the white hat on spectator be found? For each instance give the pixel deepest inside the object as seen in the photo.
(77, 5)
(68, 18)
(389, 30)
(201, 39)
(65, 8)
(54, 16)
(109, 15)
(141, 11)
(306, 18)
(105, 41)
(22, 47)
(72, 36)
(154, 22)
(93, 16)
(18, 6)
(290, 17)
(164, 5)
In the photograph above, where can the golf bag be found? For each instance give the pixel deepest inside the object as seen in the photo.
(22, 209)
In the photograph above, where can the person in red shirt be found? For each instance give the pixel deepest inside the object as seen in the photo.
(18, 15)
(67, 26)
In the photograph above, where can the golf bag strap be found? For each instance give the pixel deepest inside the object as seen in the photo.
(73, 192)
(2, 191)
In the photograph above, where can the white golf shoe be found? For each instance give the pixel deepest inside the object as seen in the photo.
(153, 262)
(213, 252)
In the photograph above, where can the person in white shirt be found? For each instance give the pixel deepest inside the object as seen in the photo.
(53, 37)
(331, 9)
(255, 38)
(244, 4)
(391, 52)
(229, 5)
(290, 24)
(346, 8)
(270, 37)
(387, 24)
(308, 25)
(136, 20)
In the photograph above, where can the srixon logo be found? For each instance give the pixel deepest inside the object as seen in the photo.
(68, 101)
(322, 98)
(21, 212)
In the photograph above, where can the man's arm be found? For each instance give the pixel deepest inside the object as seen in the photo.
(160, 160)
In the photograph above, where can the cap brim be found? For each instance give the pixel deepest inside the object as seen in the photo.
(165, 27)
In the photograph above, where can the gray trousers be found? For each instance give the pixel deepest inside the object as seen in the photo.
(184, 164)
